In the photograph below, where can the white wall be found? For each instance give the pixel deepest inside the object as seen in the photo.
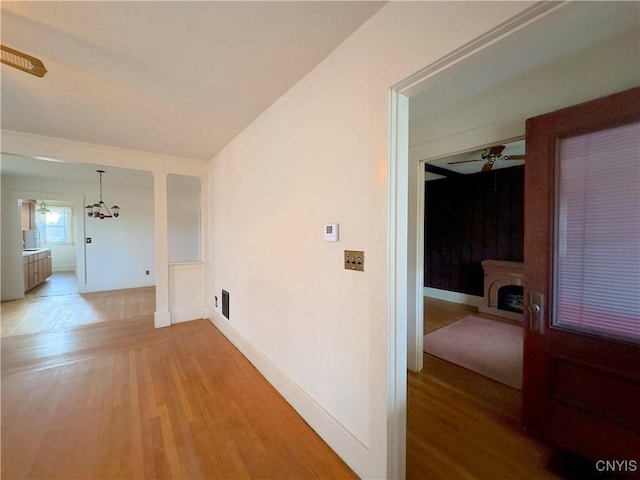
(319, 155)
(121, 250)
(610, 67)
(183, 219)
(63, 258)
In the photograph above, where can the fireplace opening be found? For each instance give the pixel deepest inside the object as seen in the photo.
(510, 298)
(503, 291)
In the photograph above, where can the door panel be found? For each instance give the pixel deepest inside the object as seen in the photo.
(581, 387)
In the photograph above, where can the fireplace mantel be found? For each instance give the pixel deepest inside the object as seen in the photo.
(498, 274)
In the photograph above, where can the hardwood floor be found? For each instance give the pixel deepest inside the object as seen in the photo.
(100, 393)
(59, 283)
(461, 425)
(34, 314)
(121, 399)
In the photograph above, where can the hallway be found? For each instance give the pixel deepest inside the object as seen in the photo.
(121, 399)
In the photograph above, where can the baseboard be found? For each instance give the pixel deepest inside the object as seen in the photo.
(188, 314)
(353, 451)
(64, 268)
(161, 319)
(454, 297)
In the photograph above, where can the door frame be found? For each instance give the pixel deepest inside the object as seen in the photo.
(78, 203)
(404, 284)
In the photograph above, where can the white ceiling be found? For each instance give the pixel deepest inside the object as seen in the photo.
(54, 170)
(174, 78)
(572, 28)
(179, 78)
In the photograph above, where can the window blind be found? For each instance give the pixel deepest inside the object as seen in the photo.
(597, 258)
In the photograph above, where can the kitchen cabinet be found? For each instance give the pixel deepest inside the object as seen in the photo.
(37, 267)
(28, 214)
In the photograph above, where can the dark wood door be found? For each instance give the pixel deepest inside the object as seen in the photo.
(581, 386)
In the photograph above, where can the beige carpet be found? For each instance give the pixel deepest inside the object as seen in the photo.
(487, 347)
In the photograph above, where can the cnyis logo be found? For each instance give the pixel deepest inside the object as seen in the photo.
(619, 466)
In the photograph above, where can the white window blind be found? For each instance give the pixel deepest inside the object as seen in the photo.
(597, 258)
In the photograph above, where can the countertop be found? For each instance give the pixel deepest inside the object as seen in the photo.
(27, 252)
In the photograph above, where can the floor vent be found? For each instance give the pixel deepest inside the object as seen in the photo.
(225, 303)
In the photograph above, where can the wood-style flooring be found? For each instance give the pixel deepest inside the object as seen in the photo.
(461, 425)
(64, 312)
(91, 390)
(59, 283)
(120, 399)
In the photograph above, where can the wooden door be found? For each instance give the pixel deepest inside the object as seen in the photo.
(581, 386)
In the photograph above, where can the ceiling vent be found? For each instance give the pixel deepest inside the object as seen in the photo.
(22, 61)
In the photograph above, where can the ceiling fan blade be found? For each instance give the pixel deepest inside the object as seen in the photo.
(22, 61)
(496, 150)
(464, 161)
(487, 166)
(514, 157)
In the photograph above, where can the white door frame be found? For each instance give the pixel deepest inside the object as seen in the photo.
(403, 237)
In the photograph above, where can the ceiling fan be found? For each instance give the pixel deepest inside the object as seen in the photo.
(22, 61)
(489, 156)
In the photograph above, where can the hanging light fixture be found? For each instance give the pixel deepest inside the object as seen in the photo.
(43, 208)
(96, 210)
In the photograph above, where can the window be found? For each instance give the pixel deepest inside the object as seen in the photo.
(55, 225)
(598, 233)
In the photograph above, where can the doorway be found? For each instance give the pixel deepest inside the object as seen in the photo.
(56, 232)
(473, 236)
(464, 362)
(437, 123)
(102, 269)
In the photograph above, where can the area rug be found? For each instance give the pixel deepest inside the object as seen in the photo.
(490, 348)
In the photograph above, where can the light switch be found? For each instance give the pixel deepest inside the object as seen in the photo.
(354, 260)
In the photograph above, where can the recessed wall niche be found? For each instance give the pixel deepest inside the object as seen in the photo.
(184, 218)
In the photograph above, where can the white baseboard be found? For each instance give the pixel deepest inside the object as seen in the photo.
(454, 297)
(337, 436)
(161, 319)
(188, 313)
(64, 268)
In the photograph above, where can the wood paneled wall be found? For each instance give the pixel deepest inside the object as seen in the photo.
(469, 219)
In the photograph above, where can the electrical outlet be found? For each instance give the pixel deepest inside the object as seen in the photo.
(354, 260)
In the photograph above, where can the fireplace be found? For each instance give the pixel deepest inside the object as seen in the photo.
(503, 289)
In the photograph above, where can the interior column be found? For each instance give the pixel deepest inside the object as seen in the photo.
(162, 317)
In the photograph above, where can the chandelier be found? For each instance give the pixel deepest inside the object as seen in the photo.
(100, 210)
